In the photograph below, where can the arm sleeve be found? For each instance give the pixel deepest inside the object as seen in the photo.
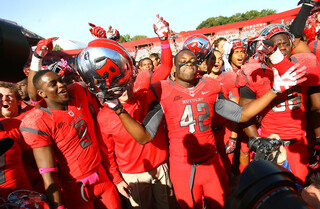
(228, 109)
(299, 23)
(106, 146)
(164, 69)
(247, 93)
(153, 119)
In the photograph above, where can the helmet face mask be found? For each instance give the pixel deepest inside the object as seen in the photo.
(106, 67)
(199, 45)
(275, 29)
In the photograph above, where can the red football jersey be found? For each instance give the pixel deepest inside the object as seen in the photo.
(12, 174)
(285, 115)
(70, 132)
(188, 114)
(124, 153)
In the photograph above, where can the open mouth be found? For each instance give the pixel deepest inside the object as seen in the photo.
(5, 106)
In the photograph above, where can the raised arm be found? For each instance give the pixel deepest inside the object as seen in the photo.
(43, 47)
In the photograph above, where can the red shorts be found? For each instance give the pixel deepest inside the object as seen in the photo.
(103, 194)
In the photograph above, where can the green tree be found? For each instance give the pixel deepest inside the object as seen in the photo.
(238, 17)
(138, 37)
(125, 38)
(57, 48)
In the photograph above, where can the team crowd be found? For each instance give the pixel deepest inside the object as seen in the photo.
(165, 131)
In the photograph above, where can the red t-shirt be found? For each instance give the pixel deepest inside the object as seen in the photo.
(12, 174)
(121, 149)
(70, 132)
(188, 114)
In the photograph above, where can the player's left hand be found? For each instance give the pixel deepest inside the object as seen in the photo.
(97, 31)
(45, 46)
(265, 46)
(293, 76)
(231, 145)
(161, 28)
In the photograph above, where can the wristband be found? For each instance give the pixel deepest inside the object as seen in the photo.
(165, 46)
(36, 102)
(61, 207)
(35, 63)
(317, 140)
(276, 57)
(275, 91)
(37, 55)
(233, 138)
(121, 110)
(47, 170)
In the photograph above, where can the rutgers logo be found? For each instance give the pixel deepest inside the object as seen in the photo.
(195, 47)
(109, 70)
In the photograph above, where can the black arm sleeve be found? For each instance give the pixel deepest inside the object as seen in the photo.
(228, 109)
(153, 119)
(298, 24)
(247, 93)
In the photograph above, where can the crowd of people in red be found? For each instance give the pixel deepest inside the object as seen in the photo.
(167, 131)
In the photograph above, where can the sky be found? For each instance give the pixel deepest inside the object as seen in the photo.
(69, 19)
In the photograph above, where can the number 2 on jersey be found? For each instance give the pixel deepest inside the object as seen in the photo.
(188, 119)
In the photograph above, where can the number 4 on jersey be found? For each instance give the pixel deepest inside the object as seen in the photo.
(187, 118)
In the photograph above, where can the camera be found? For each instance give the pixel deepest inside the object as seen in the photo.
(266, 185)
(265, 148)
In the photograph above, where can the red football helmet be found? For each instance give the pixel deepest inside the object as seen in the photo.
(237, 43)
(199, 45)
(106, 67)
(274, 29)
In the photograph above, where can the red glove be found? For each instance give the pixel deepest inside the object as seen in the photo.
(161, 28)
(113, 34)
(231, 145)
(265, 46)
(314, 158)
(43, 47)
(292, 77)
(97, 31)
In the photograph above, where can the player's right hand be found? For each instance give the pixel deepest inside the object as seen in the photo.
(124, 189)
(97, 31)
(294, 76)
(265, 46)
(161, 28)
(44, 46)
(113, 104)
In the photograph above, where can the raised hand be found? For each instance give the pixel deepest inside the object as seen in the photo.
(44, 46)
(113, 34)
(161, 28)
(293, 76)
(265, 46)
(97, 31)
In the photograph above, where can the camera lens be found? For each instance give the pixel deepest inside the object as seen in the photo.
(265, 185)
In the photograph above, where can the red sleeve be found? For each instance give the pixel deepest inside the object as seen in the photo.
(283, 66)
(163, 71)
(36, 129)
(313, 77)
(106, 146)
